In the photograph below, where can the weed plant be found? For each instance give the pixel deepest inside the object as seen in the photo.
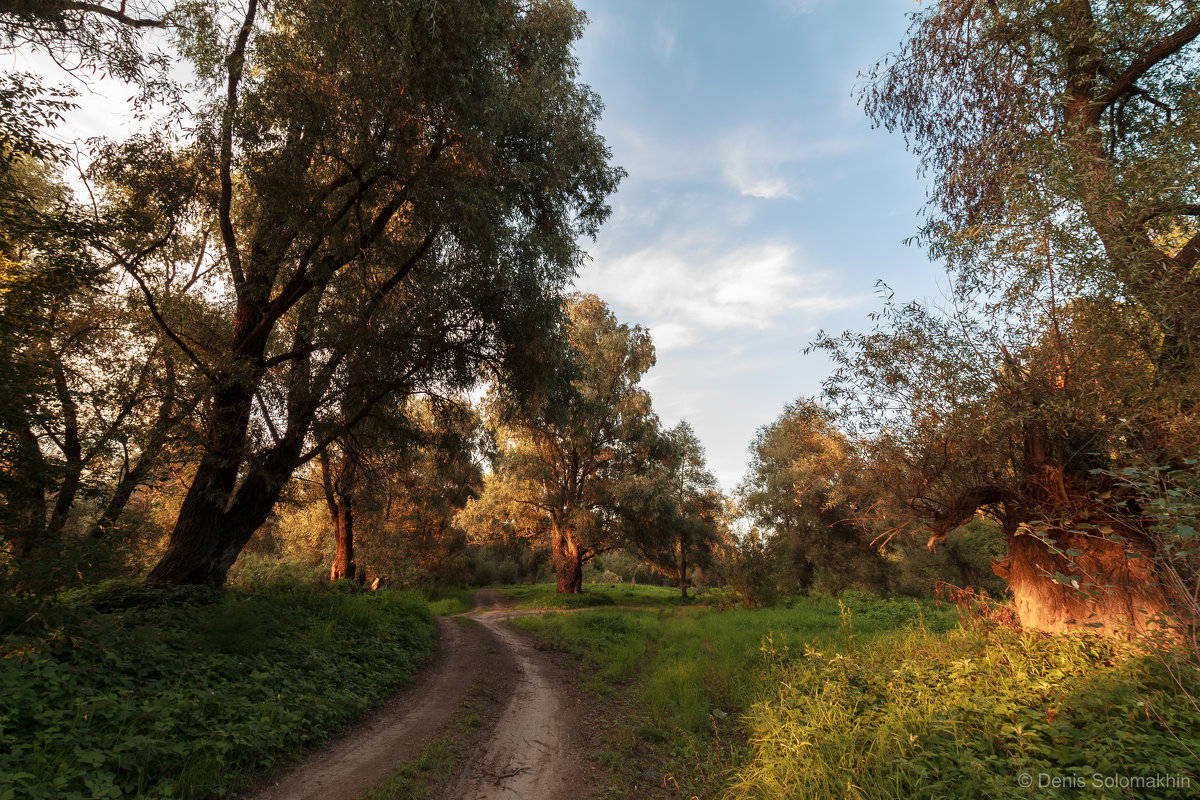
(131, 693)
(1001, 715)
(695, 669)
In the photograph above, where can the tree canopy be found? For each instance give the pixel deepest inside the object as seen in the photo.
(571, 463)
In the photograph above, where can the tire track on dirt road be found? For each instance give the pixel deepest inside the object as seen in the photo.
(532, 745)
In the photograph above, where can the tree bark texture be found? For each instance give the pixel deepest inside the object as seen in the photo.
(1114, 594)
(568, 562)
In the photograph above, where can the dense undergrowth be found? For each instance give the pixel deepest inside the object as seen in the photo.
(866, 698)
(123, 692)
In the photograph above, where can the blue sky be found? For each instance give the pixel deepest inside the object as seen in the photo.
(760, 205)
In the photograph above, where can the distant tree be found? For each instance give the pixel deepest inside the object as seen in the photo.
(355, 169)
(801, 491)
(687, 519)
(570, 463)
(403, 478)
(413, 535)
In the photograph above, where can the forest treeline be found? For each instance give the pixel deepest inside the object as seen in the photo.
(316, 313)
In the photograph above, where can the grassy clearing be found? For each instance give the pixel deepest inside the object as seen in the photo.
(450, 601)
(869, 698)
(128, 693)
(544, 595)
(694, 670)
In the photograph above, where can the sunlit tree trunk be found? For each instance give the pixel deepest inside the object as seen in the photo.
(568, 562)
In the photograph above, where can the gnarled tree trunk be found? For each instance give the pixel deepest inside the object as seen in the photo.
(568, 561)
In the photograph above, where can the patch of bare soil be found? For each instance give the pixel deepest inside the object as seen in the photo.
(490, 600)
(534, 743)
(541, 748)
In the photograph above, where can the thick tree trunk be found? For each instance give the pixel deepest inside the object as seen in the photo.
(198, 529)
(568, 562)
(343, 530)
(1110, 594)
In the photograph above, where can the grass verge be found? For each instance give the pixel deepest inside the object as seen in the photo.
(866, 698)
(544, 595)
(125, 693)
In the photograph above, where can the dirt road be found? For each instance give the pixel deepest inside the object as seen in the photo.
(530, 745)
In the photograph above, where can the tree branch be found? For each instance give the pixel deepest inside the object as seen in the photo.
(1144, 63)
(236, 64)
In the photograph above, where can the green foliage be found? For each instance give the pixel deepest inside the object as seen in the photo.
(803, 491)
(964, 559)
(860, 697)
(574, 463)
(962, 715)
(162, 697)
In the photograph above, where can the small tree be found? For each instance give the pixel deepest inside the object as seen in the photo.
(568, 461)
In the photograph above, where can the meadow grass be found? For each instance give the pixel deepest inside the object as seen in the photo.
(445, 602)
(544, 595)
(867, 698)
(124, 692)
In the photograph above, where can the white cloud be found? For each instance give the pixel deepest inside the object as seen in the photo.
(755, 161)
(684, 289)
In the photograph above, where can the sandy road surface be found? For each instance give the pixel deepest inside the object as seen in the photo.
(530, 746)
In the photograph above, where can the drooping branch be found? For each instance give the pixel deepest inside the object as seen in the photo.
(963, 507)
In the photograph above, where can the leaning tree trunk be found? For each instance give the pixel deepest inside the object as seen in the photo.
(1083, 580)
(568, 562)
(1073, 563)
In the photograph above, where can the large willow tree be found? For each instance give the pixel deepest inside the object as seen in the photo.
(1061, 142)
(395, 185)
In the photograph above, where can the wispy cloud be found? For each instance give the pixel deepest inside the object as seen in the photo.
(756, 162)
(665, 39)
(687, 289)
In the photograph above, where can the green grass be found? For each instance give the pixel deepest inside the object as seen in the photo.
(967, 715)
(544, 595)
(137, 694)
(450, 601)
(869, 698)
